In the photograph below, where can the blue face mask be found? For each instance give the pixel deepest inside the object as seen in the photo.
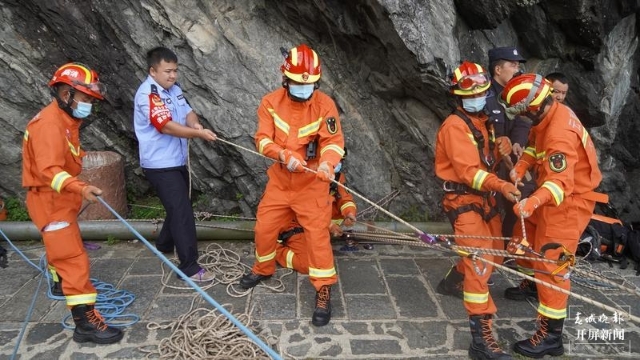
(338, 167)
(82, 110)
(474, 105)
(301, 91)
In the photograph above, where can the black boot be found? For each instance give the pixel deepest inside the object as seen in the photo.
(251, 280)
(525, 290)
(483, 344)
(56, 288)
(90, 326)
(451, 284)
(322, 313)
(546, 341)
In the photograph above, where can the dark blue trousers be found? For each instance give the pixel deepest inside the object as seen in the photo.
(179, 227)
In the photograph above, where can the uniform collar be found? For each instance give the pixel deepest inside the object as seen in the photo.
(547, 118)
(152, 81)
(67, 120)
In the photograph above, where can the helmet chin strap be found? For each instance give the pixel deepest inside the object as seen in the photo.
(65, 106)
(537, 116)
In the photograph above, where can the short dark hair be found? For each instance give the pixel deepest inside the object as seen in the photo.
(556, 76)
(494, 63)
(157, 54)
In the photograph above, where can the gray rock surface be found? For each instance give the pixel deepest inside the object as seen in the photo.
(384, 62)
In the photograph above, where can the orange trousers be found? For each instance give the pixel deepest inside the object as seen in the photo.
(477, 300)
(64, 249)
(294, 255)
(305, 198)
(562, 225)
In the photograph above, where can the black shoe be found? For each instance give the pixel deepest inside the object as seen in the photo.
(90, 326)
(546, 341)
(322, 313)
(250, 280)
(525, 290)
(452, 284)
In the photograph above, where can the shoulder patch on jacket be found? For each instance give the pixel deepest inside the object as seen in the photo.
(557, 162)
(332, 125)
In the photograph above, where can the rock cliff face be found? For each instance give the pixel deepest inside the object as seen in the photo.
(385, 64)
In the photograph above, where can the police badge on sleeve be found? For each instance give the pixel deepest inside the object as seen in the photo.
(557, 162)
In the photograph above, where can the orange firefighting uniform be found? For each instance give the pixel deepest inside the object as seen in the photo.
(51, 162)
(458, 161)
(566, 166)
(287, 124)
(293, 254)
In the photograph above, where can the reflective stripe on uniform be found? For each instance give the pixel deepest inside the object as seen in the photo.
(479, 179)
(58, 180)
(26, 135)
(263, 144)
(278, 122)
(556, 191)
(290, 255)
(333, 147)
(266, 257)
(476, 298)
(310, 129)
(347, 205)
(322, 273)
(73, 300)
(552, 313)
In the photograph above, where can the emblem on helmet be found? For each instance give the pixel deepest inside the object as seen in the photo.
(305, 76)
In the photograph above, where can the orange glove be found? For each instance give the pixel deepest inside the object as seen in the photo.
(90, 192)
(527, 206)
(335, 230)
(517, 173)
(504, 145)
(349, 219)
(293, 160)
(510, 192)
(325, 172)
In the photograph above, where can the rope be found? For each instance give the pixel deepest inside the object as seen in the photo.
(195, 286)
(205, 334)
(110, 302)
(28, 317)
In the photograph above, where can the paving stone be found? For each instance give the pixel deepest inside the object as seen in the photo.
(361, 277)
(364, 347)
(369, 306)
(424, 335)
(411, 297)
(384, 307)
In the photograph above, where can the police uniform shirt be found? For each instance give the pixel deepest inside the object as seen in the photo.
(158, 150)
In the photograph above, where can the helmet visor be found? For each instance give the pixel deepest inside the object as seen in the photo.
(95, 89)
(473, 81)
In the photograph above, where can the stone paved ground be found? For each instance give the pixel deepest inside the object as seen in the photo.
(384, 307)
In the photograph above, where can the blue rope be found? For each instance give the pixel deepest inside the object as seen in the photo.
(26, 320)
(195, 286)
(110, 302)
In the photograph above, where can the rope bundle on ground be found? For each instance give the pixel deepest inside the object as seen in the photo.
(205, 334)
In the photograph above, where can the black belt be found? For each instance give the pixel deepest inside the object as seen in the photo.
(285, 235)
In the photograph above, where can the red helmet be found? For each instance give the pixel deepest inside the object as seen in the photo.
(525, 93)
(469, 79)
(81, 78)
(302, 65)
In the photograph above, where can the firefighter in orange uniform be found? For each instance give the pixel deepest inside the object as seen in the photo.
(563, 156)
(299, 126)
(291, 252)
(51, 162)
(466, 158)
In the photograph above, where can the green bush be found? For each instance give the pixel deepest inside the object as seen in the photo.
(16, 210)
(147, 208)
